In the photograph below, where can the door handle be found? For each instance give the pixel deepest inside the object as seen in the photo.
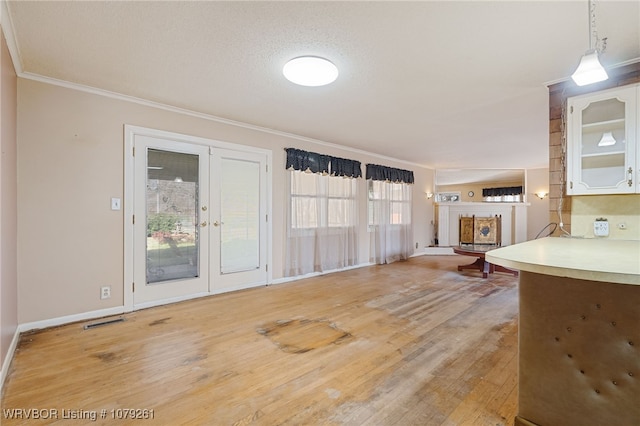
(203, 224)
(216, 223)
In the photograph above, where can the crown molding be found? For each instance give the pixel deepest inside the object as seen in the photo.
(8, 30)
(204, 116)
(9, 36)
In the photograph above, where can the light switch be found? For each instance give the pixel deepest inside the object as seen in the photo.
(115, 204)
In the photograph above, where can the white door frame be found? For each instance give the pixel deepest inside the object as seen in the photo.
(130, 133)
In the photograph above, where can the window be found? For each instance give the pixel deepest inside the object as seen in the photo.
(322, 219)
(322, 201)
(389, 213)
(510, 194)
(389, 196)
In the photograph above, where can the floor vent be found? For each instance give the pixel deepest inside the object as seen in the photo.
(101, 323)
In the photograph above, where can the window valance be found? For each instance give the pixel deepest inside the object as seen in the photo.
(499, 192)
(298, 159)
(344, 167)
(376, 172)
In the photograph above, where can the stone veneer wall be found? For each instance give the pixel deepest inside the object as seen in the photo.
(558, 94)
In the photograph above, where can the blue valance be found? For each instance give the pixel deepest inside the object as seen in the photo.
(389, 174)
(344, 167)
(499, 192)
(298, 159)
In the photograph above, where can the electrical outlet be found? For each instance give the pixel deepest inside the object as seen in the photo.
(115, 204)
(105, 292)
(601, 227)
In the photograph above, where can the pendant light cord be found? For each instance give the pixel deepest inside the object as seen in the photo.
(594, 41)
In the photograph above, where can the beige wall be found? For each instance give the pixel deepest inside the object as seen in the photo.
(617, 209)
(538, 210)
(70, 163)
(8, 209)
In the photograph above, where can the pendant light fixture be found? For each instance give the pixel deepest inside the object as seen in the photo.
(310, 71)
(590, 70)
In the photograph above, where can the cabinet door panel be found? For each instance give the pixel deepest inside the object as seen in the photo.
(601, 142)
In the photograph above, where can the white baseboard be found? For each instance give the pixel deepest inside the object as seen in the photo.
(37, 325)
(118, 310)
(439, 251)
(155, 303)
(317, 274)
(53, 322)
(7, 360)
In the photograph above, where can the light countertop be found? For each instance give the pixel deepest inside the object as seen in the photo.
(607, 260)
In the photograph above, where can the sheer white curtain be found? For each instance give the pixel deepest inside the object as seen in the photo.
(322, 231)
(390, 229)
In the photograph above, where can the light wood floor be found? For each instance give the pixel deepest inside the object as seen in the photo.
(411, 343)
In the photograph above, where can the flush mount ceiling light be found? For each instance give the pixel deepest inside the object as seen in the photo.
(590, 70)
(607, 139)
(310, 71)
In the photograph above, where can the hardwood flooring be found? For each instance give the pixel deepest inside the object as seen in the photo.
(411, 343)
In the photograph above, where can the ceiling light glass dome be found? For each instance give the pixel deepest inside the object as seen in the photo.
(310, 71)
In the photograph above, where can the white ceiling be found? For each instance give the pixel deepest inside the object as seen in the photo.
(444, 84)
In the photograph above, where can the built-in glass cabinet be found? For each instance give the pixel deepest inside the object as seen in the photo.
(602, 142)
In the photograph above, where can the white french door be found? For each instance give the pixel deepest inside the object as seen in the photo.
(239, 220)
(171, 242)
(199, 219)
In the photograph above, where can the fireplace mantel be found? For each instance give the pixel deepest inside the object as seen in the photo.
(514, 220)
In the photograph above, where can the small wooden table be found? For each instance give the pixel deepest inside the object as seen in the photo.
(481, 264)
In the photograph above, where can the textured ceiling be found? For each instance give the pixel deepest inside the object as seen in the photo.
(443, 84)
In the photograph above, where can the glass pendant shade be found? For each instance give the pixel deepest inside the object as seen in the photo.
(310, 71)
(590, 70)
(607, 139)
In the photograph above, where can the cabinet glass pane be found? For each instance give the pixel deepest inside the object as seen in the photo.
(240, 214)
(603, 143)
(172, 216)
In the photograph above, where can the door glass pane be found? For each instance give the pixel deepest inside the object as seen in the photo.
(239, 213)
(603, 143)
(172, 216)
